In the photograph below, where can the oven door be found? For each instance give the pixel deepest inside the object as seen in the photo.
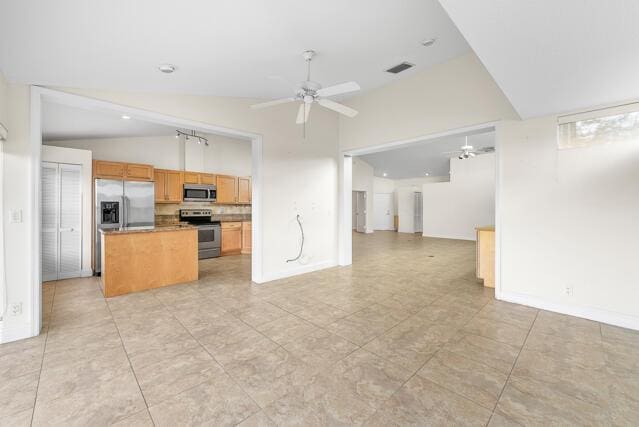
(208, 236)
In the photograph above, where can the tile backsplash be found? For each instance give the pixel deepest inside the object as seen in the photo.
(169, 213)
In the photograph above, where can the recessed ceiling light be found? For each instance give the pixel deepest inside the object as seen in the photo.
(167, 68)
(125, 117)
(427, 174)
(428, 42)
(384, 174)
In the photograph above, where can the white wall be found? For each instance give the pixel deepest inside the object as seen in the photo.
(383, 185)
(363, 181)
(83, 158)
(447, 96)
(453, 209)
(299, 176)
(227, 156)
(568, 218)
(223, 155)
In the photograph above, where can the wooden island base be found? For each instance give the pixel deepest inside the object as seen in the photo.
(139, 259)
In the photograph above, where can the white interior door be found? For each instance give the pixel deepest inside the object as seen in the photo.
(384, 211)
(360, 211)
(419, 208)
(61, 221)
(50, 193)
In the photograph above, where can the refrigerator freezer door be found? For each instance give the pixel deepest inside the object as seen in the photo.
(139, 203)
(106, 190)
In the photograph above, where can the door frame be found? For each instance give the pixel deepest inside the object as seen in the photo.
(38, 94)
(360, 194)
(345, 238)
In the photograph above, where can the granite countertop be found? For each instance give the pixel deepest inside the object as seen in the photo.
(149, 229)
(231, 217)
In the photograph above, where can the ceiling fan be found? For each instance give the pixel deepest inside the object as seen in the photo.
(467, 151)
(310, 92)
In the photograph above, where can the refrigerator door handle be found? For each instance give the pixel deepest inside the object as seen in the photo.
(125, 210)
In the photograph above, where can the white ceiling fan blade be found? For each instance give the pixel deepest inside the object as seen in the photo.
(302, 113)
(340, 108)
(338, 89)
(271, 103)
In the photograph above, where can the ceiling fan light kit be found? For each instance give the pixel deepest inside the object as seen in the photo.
(310, 92)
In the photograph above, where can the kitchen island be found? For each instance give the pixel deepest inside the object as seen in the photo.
(140, 258)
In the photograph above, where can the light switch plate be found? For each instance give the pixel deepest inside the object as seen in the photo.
(15, 215)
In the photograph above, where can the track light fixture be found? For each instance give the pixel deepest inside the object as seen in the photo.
(192, 134)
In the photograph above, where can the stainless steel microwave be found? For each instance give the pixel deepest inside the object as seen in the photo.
(199, 193)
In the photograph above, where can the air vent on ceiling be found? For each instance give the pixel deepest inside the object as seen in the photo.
(400, 67)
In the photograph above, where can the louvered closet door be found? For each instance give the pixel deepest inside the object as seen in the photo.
(70, 237)
(50, 192)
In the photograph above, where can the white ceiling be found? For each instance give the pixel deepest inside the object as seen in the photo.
(61, 122)
(425, 157)
(552, 56)
(227, 48)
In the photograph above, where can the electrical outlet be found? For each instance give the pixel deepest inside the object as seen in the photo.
(16, 309)
(569, 291)
(15, 216)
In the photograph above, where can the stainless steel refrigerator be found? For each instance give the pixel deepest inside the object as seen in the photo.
(120, 204)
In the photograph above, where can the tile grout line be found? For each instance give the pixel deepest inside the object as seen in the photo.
(44, 348)
(128, 360)
(514, 364)
(207, 352)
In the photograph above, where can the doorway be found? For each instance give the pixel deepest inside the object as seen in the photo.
(384, 211)
(359, 211)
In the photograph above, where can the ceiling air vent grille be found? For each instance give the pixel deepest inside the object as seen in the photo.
(400, 67)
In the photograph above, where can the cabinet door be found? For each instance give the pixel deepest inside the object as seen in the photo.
(244, 190)
(226, 189)
(139, 172)
(191, 178)
(160, 186)
(231, 238)
(247, 237)
(174, 186)
(104, 169)
(207, 178)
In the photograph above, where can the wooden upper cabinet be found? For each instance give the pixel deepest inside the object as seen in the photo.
(104, 169)
(168, 186)
(174, 185)
(119, 170)
(159, 176)
(244, 190)
(226, 189)
(207, 178)
(139, 172)
(191, 178)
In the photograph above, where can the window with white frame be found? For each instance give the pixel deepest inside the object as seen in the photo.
(599, 127)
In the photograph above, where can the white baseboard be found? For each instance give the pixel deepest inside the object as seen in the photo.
(441, 236)
(10, 333)
(298, 270)
(596, 314)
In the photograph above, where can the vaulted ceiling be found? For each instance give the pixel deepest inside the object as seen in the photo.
(552, 56)
(222, 47)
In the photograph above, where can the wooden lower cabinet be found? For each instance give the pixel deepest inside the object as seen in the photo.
(247, 237)
(485, 260)
(231, 238)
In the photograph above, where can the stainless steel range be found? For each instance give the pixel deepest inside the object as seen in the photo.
(209, 236)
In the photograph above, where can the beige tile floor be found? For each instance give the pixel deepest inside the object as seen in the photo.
(405, 336)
